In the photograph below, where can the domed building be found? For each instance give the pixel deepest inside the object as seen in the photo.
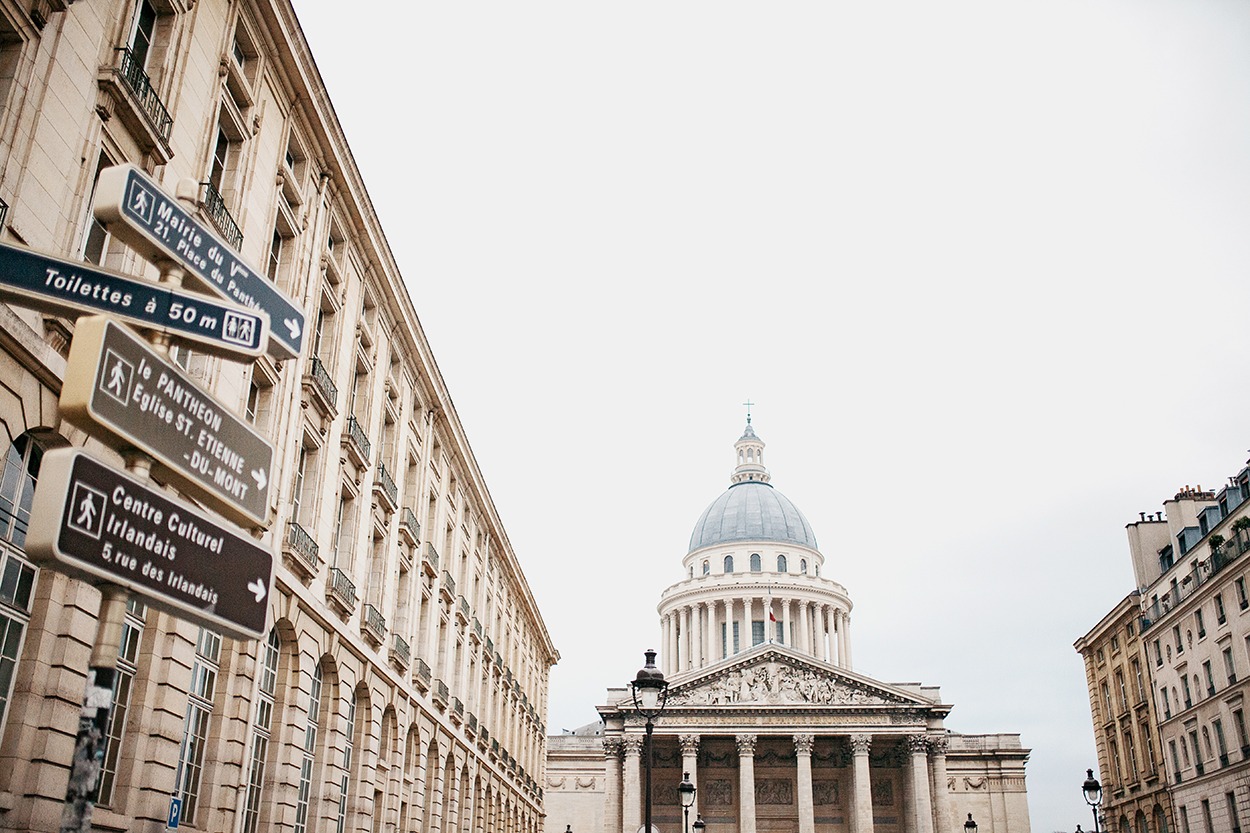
(764, 711)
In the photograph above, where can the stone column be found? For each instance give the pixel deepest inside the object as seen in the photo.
(727, 618)
(805, 642)
(690, 764)
(683, 639)
(670, 658)
(846, 619)
(861, 803)
(611, 785)
(787, 631)
(922, 807)
(744, 631)
(696, 635)
(746, 783)
(631, 800)
(709, 633)
(837, 636)
(941, 792)
(807, 809)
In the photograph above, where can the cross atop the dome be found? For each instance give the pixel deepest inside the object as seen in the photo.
(748, 403)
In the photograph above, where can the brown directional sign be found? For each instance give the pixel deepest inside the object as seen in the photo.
(120, 390)
(93, 522)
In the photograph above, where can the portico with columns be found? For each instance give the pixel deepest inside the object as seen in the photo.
(766, 711)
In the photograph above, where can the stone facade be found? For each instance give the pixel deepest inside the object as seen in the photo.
(1190, 630)
(403, 685)
(765, 712)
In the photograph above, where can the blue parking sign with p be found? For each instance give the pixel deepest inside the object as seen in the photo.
(175, 812)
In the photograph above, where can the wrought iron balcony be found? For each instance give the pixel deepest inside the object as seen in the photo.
(131, 71)
(215, 205)
(385, 486)
(490, 645)
(449, 586)
(400, 653)
(477, 627)
(457, 710)
(356, 441)
(494, 747)
(421, 676)
(303, 548)
(325, 394)
(341, 589)
(441, 693)
(462, 605)
(4, 212)
(470, 722)
(430, 562)
(408, 526)
(373, 624)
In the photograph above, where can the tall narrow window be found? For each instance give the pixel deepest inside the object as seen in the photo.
(95, 242)
(275, 256)
(297, 490)
(221, 159)
(348, 749)
(707, 568)
(311, 727)
(195, 734)
(757, 632)
(17, 487)
(123, 682)
(17, 580)
(262, 725)
(782, 565)
(141, 36)
(755, 562)
(729, 564)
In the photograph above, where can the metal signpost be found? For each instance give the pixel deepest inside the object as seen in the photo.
(103, 525)
(71, 288)
(142, 215)
(122, 391)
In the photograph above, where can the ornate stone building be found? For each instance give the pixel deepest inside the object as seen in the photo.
(765, 711)
(403, 684)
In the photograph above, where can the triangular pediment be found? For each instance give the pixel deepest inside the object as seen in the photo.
(779, 676)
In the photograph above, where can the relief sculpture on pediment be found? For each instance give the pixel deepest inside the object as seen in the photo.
(774, 684)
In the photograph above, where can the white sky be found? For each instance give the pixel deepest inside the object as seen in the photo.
(980, 264)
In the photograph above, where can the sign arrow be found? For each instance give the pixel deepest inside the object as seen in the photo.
(292, 327)
(258, 587)
(261, 478)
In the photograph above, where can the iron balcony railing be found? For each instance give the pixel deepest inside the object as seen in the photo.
(407, 518)
(494, 747)
(464, 607)
(431, 555)
(303, 544)
(490, 645)
(449, 583)
(342, 586)
(423, 671)
(387, 483)
(471, 720)
(400, 650)
(321, 376)
(477, 627)
(441, 692)
(215, 205)
(485, 735)
(357, 435)
(131, 71)
(374, 621)
(1227, 553)
(457, 706)
(4, 212)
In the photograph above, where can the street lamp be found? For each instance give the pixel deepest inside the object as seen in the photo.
(1093, 794)
(699, 826)
(687, 790)
(650, 691)
(970, 826)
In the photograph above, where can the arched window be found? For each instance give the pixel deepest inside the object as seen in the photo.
(690, 573)
(707, 568)
(755, 562)
(817, 571)
(783, 566)
(349, 745)
(803, 566)
(729, 564)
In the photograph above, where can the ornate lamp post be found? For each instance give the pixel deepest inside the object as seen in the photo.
(970, 826)
(650, 691)
(699, 826)
(1093, 794)
(686, 790)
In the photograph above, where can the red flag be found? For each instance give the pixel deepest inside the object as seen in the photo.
(771, 617)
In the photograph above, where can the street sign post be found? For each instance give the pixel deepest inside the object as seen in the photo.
(93, 522)
(141, 214)
(71, 288)
(120, 390)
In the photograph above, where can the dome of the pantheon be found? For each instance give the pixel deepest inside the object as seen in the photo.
(751, 509)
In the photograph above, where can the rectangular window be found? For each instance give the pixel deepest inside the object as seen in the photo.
(1151, 761)
(757, 632)
(1130, 752)
(1230, 800)
(141, 36)
(349, 747)
(781, 632)
(1115, 760)
(1206, 814)
(1167, 709)
(195, 733)
(1239, 723)
(1184, 819)
(1189, 700)
(1158, 654)
(1198, 620)
(1176, 633)
(1119, 685)
(737, 640)
(17, 579)
(1242, 600)
(724, 640)
(1221, 745)
(1230, 668)
(1106, 702)
(1210, 679)
(1220, 616)
(123, 682)
(262, 725)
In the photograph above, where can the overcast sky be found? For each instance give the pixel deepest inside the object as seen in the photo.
(982, 265)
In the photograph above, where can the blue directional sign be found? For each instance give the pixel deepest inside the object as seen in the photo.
(71, 288)
(142, 215)
(175, 813)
